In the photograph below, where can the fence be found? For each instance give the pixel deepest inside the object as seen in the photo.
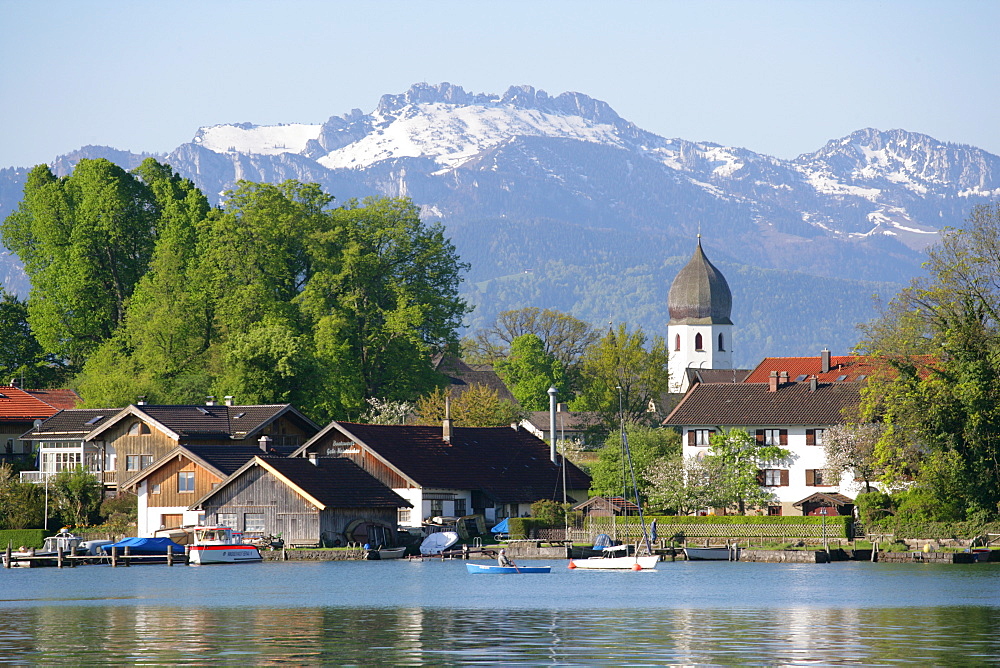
(630, 530)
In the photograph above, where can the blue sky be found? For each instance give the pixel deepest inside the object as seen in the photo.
(779, 77)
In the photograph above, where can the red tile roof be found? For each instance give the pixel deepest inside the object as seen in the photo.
(61, 399)
(843, 368)
(17, 405)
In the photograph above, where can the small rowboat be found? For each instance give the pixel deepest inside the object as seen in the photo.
(480, 568)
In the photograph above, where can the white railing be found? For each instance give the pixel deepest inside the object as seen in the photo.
(35, 476)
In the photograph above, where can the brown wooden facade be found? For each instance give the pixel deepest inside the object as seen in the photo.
(285, 511)
(163, 484)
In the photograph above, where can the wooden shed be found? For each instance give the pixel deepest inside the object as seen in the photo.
(326, 501)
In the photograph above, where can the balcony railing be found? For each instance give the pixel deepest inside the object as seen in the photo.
(110, 477)
(107, 477)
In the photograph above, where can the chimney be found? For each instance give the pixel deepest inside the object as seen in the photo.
(229, 399)
(314, 459)
(813, 383)
(824, 357)
(782, 378)
(772, 382)
(265, 443)
(209, 400)
(141, 401)
(446, 425)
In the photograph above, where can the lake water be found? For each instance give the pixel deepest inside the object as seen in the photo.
(434, 613)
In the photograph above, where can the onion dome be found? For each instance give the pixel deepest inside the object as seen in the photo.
(699, 294)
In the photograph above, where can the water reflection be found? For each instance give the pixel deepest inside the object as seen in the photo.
(449, 636)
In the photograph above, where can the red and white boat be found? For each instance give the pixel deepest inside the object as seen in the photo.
(220, 545)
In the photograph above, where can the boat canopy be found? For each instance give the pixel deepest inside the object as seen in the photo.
(145, 546)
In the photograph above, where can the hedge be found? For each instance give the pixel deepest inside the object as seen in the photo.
(901, 528)
(521, 527)
(22, 537)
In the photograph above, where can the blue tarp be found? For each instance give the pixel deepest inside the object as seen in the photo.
(602, 541)
(501, 527)
(145, 546)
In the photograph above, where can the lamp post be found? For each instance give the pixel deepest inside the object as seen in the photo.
(621, 423)
(552, 423)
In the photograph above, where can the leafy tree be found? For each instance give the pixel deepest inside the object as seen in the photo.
(529, 371)
(682, 485)
(552, 513)
(649, 447)
(478, 406)
(85, 241)
(77, 494)
(850, 448)
(21, 357)
(736, 459)
(938, 390)
(388, 412)
(22, 504)
(622, 376)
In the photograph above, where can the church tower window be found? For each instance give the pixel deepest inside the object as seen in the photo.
(677, 342)
(698, 342)
(722, 343)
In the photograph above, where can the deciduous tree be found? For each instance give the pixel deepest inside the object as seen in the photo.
(736, 459)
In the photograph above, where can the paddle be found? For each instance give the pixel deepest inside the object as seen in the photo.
(515, 568)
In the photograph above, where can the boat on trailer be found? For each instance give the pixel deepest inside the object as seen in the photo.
(505, 570)
(220, 545)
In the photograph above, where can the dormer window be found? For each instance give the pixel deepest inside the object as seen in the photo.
(138, 429)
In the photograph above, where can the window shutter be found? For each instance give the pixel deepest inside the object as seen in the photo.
(690, 436)
(760, 436)
(810, 477)
(784, 477)
(760, 477)
(783, 434)
(810, 437)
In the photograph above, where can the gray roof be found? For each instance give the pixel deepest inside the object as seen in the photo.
(700, 294)
(752, 404)
(71, 424)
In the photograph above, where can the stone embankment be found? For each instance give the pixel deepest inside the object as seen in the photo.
(786, 556)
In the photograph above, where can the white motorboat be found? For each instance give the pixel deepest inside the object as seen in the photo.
(220, 545)
(616, 558)
(383, 553)
(49, 553)
(438, 542)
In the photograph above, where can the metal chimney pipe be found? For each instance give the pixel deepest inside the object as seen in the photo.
(552, 424)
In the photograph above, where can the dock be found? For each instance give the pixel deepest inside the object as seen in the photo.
(63, 559)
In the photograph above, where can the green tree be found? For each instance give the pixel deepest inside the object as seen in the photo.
(937, 391)
(478, 406)
(529, 371)
(21, 357)
(22, 504)
(77, 494)
(681, 485)
(85, 241)
(649, 447)
(623, 373)
(735, 459)
(850, 448)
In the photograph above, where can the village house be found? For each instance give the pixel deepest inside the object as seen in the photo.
(21, 410)
(576, 427)
(314, 501)
(61, 443)
(141, 434)
(791, 414)
(496, 472)
(167, 488)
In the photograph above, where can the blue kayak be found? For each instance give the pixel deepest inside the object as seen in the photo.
(479, 568)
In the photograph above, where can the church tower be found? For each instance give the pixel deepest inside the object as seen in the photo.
(700, 333)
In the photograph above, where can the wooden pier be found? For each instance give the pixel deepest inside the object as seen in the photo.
(63, 559)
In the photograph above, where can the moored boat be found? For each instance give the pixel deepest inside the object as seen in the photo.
(383, 553)
(616, 557)
(220, 545)
(48, 555)
(503, 570)
(438, 542)
(712, 553)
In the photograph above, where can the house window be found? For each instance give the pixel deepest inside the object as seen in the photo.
(722, 343)
(460, 507)
(774, 510)
(253, 522)
(185, 481)
(132, 462)
(155, 488)
(819, 478)
(402, 515)
(772, 436)
(138, 429)
(698, 342)
(815, 436)
(145, 460)
(227, 520)
(437, 507)
(700, 437)
(775, 478)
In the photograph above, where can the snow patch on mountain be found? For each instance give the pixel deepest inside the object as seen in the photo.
(259, 139)
(451, 134)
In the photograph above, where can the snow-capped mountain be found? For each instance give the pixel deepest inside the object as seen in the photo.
(544, 193)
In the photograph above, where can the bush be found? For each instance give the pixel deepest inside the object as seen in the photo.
(22, 537)
(520, 528)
